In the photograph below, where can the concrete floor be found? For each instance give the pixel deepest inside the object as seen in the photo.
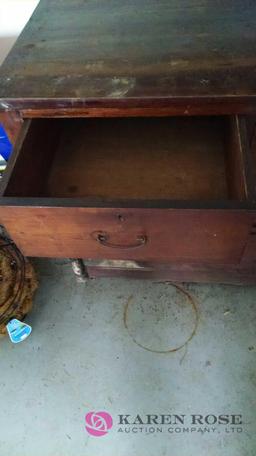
(86, 354)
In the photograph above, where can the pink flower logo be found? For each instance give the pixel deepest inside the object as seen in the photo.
(98, 423)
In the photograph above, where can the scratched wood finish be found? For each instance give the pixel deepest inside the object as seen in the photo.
(186, 56)
(176, 272)
(174, 235)
(135, 58)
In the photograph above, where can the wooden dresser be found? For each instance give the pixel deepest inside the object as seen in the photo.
(136, 145)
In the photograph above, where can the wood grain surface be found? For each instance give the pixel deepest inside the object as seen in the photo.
(154, 158)
(178, 235)
(176, 272)
(183, 56)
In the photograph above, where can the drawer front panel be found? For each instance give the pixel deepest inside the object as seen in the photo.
(171, 235)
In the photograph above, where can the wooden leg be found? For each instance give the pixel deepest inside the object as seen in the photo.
(79, 270)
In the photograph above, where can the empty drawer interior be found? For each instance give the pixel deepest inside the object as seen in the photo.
(127, 158)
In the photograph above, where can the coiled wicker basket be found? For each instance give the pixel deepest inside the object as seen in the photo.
(18, 283)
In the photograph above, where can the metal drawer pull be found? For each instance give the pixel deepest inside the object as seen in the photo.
(103, 239)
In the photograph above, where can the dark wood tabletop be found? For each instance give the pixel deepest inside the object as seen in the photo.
(193, 56)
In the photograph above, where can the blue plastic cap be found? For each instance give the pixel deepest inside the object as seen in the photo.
(5, 145)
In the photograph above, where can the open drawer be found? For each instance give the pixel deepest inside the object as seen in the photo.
(158, 189)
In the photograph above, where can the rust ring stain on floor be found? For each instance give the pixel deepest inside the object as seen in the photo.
(193, 305)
